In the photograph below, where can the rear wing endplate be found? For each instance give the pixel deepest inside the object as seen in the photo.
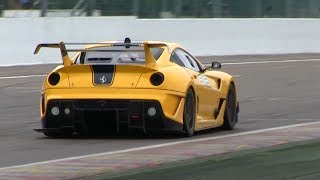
(64, 54)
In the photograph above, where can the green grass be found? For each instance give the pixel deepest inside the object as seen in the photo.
(293, 161)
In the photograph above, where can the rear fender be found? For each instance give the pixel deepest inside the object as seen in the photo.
(175, 79)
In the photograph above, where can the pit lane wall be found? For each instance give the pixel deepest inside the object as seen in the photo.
(19, 36)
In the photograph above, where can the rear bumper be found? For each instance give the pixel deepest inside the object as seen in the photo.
(171, 102)
(114, 116)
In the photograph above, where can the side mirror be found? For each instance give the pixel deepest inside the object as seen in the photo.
(216, 65)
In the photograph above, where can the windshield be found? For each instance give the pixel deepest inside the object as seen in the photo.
(118, 55)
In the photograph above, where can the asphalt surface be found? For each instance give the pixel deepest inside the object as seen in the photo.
(271, 95)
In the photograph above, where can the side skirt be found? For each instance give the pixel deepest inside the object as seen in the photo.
(212, 123)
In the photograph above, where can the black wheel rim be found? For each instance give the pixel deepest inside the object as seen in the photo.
(231, 106)
(189, 111)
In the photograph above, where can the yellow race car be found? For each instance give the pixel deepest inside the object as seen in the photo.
(149, 86)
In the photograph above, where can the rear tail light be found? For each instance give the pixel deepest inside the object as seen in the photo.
(156, 79)
(67, 111)
(54, 78)
(152, 111)
(55, 111)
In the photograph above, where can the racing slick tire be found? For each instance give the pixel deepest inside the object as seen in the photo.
(230, 113)
(189, 114)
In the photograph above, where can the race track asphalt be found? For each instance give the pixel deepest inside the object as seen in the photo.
(271, 94)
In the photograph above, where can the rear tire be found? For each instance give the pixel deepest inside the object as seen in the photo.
(189, 114)
(230, 113)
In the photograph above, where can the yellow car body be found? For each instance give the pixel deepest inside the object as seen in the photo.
(93, 88)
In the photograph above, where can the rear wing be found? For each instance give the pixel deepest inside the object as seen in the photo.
(149, 58)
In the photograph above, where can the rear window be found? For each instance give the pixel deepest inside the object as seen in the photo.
(118, 55)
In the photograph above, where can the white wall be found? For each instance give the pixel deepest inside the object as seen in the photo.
(19, 36)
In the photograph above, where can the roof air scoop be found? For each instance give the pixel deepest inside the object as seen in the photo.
(127, 42)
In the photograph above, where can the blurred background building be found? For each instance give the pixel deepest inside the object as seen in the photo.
(163, 8)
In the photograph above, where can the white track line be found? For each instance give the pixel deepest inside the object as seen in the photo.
(31, 91)
(23, 76)
(230, 63)
(282, 67)
(269, 62)
(267, 119)
(160, 145)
